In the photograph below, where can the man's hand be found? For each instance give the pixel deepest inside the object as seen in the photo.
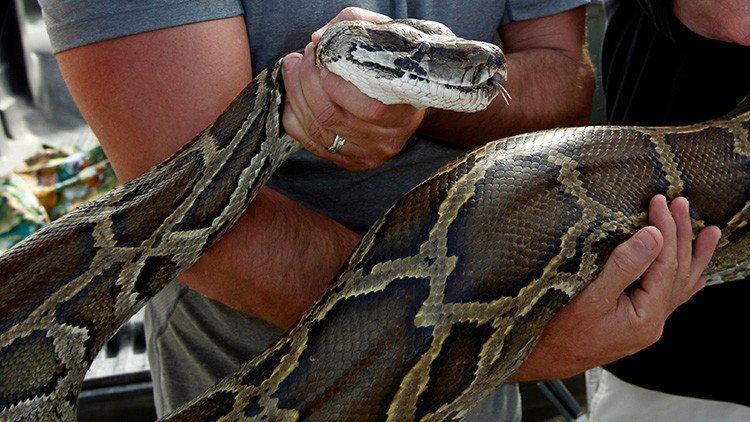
(607, 320)
(321, 105)
(723, 20)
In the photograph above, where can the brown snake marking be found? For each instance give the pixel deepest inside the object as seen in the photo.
(442, 300)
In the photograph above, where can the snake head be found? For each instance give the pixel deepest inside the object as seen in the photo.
(415, 62)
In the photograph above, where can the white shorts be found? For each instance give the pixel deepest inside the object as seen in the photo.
(612, 400)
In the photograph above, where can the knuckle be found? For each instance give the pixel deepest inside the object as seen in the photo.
(332, 83)
(390, 147)
(372, 162)
(685, 280)
(649, 331)
(376, 112)
(357, 167)
(327, 117)
(314, 130)
(622, 259)
(689, 288)
(598, 301)
(673, 267)
(350, 13)
(416, 120)
(737, 33)
(653, 333)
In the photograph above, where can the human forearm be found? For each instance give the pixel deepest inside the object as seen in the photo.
(550, 79)
(276, 261)
(548, 89)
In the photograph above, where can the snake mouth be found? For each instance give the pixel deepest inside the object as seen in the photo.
(494, 73)
(496, 82)
(469, 91)
(473, 71)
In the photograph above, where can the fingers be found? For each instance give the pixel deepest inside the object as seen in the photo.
(362, 107)
(684, 283)
(705, 246)
(684, 269)
(692, 259)
(607, 321)
(676, 273)
(309, 114)
(663, 257)
(340, 103)
(320, 105)
(350, 14)
(703, 250)
(293, 117)
(654, 294)
(627, 262)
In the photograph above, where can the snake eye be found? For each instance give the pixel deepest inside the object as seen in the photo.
(424, 47)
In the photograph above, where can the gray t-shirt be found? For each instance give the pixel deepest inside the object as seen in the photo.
(194, 341)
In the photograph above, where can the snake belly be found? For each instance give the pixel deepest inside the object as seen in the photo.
(442, 300)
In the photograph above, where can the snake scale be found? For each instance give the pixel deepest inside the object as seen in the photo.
(443, 298)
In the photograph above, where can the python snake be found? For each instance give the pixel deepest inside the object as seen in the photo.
(443, 298)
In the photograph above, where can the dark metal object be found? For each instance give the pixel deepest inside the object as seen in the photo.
(562, 399)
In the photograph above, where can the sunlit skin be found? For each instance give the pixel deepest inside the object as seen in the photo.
(722, 20)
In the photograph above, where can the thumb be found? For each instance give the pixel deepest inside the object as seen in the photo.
(290, 63)
(627, 263)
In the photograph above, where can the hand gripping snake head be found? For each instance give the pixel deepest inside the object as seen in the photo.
(420, 63)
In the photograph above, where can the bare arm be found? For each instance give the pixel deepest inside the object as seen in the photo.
(147, 95)
(550, 79)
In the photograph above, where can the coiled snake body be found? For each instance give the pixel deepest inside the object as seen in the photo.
(443, 298)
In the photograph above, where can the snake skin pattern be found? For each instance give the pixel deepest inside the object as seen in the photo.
(441, 301)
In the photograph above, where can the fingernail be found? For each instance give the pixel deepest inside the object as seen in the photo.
(647, 239)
